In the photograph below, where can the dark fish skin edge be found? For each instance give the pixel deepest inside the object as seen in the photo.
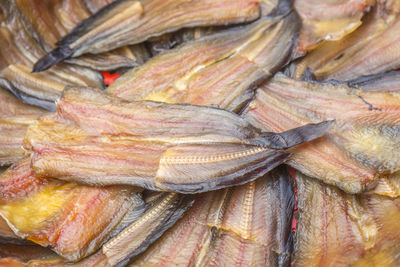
(294, 136)
(287, 197)
(43, 103)
(63, 51)
(182, 205)
(359, 82)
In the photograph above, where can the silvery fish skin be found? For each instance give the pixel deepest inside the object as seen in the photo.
(73, 220)
(221, 69)
(338, 229)
(360, 147)
(126, 22)
(371, 49)
(179, 148)
(328, 20)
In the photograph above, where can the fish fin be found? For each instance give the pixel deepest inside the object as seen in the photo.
(294, 136)
(52, 58)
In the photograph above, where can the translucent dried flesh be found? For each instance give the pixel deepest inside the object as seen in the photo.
(15, 117)
(244, 226)
(48, 21)
(358, 149)
(73, 220)
(222, 69)
(328, 20)
(371, 49)
(19, 49)
(337, 229)
(126, 22)
(154, 140)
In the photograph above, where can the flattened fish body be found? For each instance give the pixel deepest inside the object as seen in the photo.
(361, 146)
(221, 69)
(337, 229)
(73, 220)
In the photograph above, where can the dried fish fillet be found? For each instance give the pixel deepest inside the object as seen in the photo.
(11, 106)
(362, 145)
(178, 148)
(247, 226)
(136, 238)
(328, 20)
(73, 220)
(371, 49)
(221, 69)
(337, 229)
(13, 130)
(15, 118)
(125, 22)
(19, 49)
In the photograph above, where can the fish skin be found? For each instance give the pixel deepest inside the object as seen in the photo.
(244, 225)
(69, 208)
(338, 229)
(384, 82)
(371, 49)
(88, 36)
(226, 66)
(328, 20)
(15, 117)
(360, 147)
(19, 49)
(148, 142)
(135, 239)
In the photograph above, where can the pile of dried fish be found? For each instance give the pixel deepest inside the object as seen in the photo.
(240, 133)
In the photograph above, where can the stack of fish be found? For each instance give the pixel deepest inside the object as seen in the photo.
(240, 133)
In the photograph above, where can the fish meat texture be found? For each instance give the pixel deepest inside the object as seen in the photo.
(388, 185)
(230, 228)
(13, 130)
(248, 225)
(72, 220)
(47, 21)
(363, 143)
(371, 49)
(338, 229)
(127, 22)
(15, 117)
(328, 20)
(221, 69)
(179, 148)
(19, 49)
